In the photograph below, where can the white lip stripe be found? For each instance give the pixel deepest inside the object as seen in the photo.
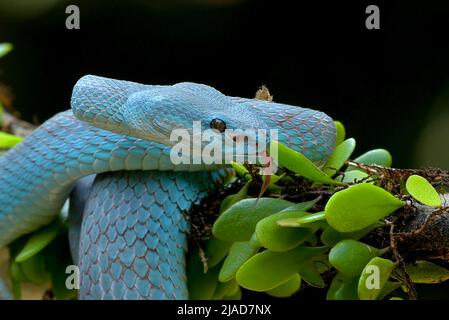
(196, 146)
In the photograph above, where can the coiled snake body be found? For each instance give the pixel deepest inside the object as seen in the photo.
(128, 230)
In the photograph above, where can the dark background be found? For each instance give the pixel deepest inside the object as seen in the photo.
(390, 87)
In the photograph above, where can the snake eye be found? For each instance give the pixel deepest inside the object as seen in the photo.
(218, 124)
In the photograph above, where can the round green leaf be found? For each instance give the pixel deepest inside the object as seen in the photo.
(225, 288)
(352, 176)
(427, 272)
(330, 236)
(374, 277)
(339, 156)
(38, 241)
(269, 269)
(380, 157)
(216, 250)
(420, 189)
(276, 238)
(351, 256)
(288, 288)
(239, 253)
(311, 220)
(238, 222)
(299, 164)
(311, 274)
(359, 206)
(8, 140)
(343, 288)
(237, 295)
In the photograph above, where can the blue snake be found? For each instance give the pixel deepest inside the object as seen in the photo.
(110, 154)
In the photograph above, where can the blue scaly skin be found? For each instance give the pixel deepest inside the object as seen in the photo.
(130, 219)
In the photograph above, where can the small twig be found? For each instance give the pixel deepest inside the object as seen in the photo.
(203, 259)
(411, 291)
(428, 222)
(14, 125)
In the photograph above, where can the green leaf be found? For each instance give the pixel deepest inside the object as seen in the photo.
(359, 206)
(241, 170)
(343, 288)
(17, 273)
(38, 241)
(341, 132)
(238, 222)
(5, 48)
(239, 253)
(310, 274)
(330, 236)
(35, 270)
(301, 206)
(339, 156)
(201, 285)
(216, 250)
(237, 295)
(8, 140)
(234, 198)
(269, 269)
(225, 288)
(276, 238)
(388, 288)
(305, 221)
(272, 186)
(380, 157)
(374, 278)
(350, 256)
(288, 288)
(300, 165)
(420, 189)
(58, 258)
(312, 240)
(353, 176)
(427, 272)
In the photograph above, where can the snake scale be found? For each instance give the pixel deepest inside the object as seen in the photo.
(110, 155)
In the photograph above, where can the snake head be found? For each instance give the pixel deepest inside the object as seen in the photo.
(195, 118)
